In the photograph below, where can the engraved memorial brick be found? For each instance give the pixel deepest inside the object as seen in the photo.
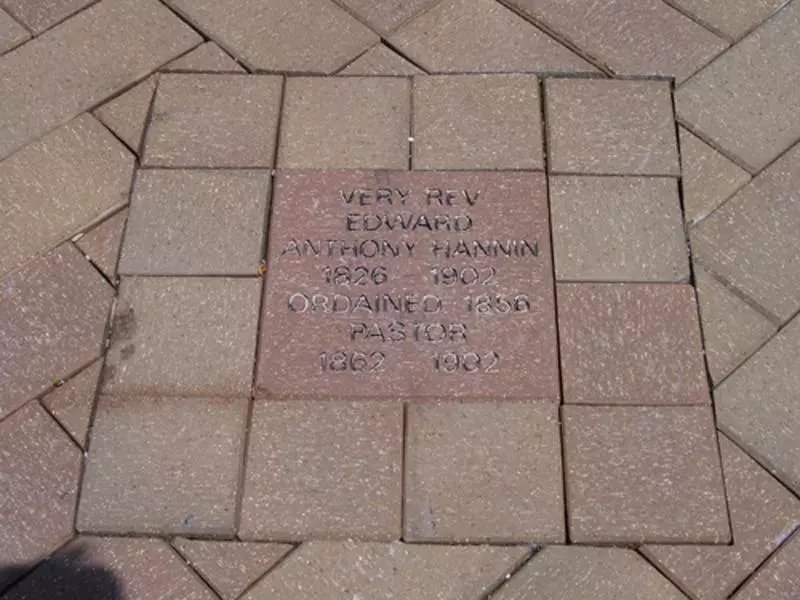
(390, 284)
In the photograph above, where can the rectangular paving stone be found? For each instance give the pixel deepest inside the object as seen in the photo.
(611, 127)
(186, 222)
(175, 336)
(386, 15)
(757, 405)
(639, 474)
(287, 36)
(708, 177)
(12, 34)
(516, 495)
(345, 123)
(778, 579)
(163, 466)
(320, 570)
(746, 102)
(618, 229)
(39, 15)
(59, 185)
(206, 57)
(631, 37)
(763, 515)
(477, 122)
(630, 344)
(40, 468)
(101, 244)
(408, 285)
(71, 404)
(82, 61)
(751, 241)
(732, 329)
(381, 60)
(574, 573)
(113, 567)
(733, 18)
(323, 470)
(53, 315)
(126, 115)
(209, 120)
(482, 36)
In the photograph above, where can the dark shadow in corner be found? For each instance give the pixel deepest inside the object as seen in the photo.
(67, 575)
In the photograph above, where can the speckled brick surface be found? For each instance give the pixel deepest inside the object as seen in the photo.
(39, 471)
(12, 34)
(518, 446)
(779, 578)
(630, 344)
(610, 127)
(183, 336)
(230, 567)
(380, 60)
(643, 474)
(323, 470)
(39, 15)
(53, 315)
(71, 404)
(387, 15)
(207, 58)
(561, 573)
(415, 572)
(101, 244)
(163, 466)
(763, 514)
(477, 122)
(210, 120)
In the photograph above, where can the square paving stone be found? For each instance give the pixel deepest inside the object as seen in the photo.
(346, 123)
(482, 36)
(58, 186)
(611, 127)
(186, 222)
(631, 37)
(779, 578)
(751, 241)
(708, 177)
(209, 120)
(381, 60)
(732, 329)
(639, 474)
(206, 57)
(294, 36)
(763, 515)
(746, 101)
(630, 344)
(321, 570)
(39, 472)
(183, 337)
(477, 122)
(53, 315)
(144, 569)
(81, 62)
(758, 405)
(101, 244)
(483, 472)
(126, 115)
(409, 285)
(323, 470)
(12, 34)
(618, 229)
(733, 18)
(71, 404)
(163, 466)
(572, 573)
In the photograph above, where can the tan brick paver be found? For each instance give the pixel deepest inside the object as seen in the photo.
(674, 242)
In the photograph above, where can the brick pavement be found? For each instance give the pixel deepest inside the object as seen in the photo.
(432, 299)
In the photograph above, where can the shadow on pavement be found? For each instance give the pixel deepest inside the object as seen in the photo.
(66, 576)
